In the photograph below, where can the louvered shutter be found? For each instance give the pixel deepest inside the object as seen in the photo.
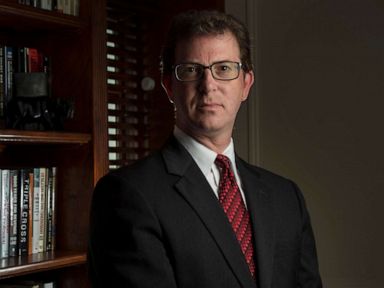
(128, 103)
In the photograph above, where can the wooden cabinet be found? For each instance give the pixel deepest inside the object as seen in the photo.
(76, 47)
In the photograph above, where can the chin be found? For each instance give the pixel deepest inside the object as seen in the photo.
(209, 128)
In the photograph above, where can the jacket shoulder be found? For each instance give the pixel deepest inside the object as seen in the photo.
(262, 173)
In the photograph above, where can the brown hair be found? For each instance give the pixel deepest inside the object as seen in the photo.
(193, 23)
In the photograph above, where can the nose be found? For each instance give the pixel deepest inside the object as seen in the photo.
(207, 83)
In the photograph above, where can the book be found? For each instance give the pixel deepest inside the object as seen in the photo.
(46, 4)
(30, 211)
(33, 60)
(36, 211)
(10, 285)
(76, 8)
(49, 285)
(25, 205)
(60, 6)
(4, 207)
(22, 60)
(1, 211)
(27, 284)
(2, 87)
(13, 212)
(8, 76)
(73, 7)
(50, 244)
(43, 209)
(22, 284)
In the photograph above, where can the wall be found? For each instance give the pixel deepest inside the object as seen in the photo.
(319, 100)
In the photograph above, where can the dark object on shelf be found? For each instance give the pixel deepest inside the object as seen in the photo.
(31, 108)
(31, 85)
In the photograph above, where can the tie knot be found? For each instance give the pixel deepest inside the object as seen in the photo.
(222, 161)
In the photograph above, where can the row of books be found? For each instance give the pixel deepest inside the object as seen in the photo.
(28, 284)
(27, 205)
(18, 60)
(70, 7)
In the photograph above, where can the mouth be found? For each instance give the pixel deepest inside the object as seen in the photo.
(209, 106)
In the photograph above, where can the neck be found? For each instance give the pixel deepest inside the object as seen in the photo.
(217, 142)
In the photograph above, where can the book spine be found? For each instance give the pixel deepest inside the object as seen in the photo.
(4, 213)
(43, 209)
(46, 4)
(2, 87)
(30, 211)
(72, 7)
(36, 210)
(60, 6)
(43, 4)
(16, 283)
(49, 285)
(8, 76)
(27, 68)
(51, 209)
(13, 212)
(22, 67)
(25, 203)
(50, 5)
(67, 7)
(77, 7)
(48, 244)
(33, 60)
(1, 210)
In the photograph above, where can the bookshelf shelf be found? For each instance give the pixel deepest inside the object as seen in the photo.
(36, 18)
(39, 137)
(40, 262)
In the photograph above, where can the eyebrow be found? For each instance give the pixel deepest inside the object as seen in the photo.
(219, 61)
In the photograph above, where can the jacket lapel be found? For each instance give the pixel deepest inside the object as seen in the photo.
(195, 189)
(260, 207)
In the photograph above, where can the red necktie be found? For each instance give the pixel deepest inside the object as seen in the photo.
(233, 205)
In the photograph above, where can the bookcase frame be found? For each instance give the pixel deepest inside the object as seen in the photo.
(76, 46)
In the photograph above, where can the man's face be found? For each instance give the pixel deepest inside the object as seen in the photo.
(207, 107)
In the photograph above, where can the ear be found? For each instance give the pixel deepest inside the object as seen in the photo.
(249, 78)
(166, 82)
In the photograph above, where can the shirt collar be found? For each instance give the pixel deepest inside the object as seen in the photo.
(203, 156)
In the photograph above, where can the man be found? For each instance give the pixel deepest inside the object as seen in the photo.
(194, 214)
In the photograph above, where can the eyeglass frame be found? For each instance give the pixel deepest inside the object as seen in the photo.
(239, 67)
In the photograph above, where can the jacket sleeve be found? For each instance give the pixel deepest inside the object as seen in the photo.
(308, 273)
(125, 245)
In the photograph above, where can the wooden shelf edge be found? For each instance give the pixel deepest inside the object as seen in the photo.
(40, 15)
(18, 266)
(43, 137)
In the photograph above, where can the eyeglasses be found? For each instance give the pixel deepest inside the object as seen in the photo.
(224, 70)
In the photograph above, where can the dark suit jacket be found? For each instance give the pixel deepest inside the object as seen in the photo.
(157, 223)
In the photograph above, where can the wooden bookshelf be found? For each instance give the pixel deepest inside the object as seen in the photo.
(40, 262)
(25, 137)
(32, 18)
(76, 46)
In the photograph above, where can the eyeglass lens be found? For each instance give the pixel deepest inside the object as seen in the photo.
(221, 70)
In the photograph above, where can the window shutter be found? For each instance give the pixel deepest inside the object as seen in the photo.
(128, 103)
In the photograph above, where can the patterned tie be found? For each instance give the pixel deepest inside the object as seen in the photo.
(233, 205)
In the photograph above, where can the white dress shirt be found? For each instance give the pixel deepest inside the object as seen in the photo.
(205, 159)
